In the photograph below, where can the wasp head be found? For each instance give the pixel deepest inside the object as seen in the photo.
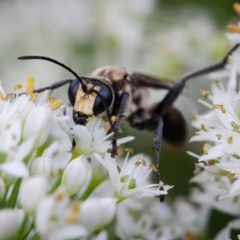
(92, 99)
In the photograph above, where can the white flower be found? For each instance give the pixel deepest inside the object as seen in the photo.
(10, 221)
(130, 180)
(226, 232)
(91, 138)
(38, 187)
(74, 176)
(220, 129)
(56, 217)
(96, 213)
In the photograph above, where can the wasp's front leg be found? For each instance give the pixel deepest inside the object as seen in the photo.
(116, 127)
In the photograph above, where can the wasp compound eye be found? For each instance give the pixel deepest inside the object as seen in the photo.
(103, 100)
(72, 91)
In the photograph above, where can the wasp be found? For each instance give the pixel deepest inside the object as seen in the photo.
(115, 91)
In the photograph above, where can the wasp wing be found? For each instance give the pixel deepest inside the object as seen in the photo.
(142, 80)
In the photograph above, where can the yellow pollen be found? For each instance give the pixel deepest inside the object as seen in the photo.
(143, 162)
(137, 163)
(216, 106)
(33, 97)
(1, 96)
(90, 118)
(219, 136)
(204, 93)
(30, 85)
(154, 167)
(129, 150)
(205, 149)
(230, 140)
(204, 128)
(60, 195)
(18, 86)
(235, 125)
(189, 235)
(220, 106)
(194, 116)
(51, 99)
(236, 7)
(233, 28)
(56, 104)
(232, 177)
(223, 109)
(161, 184)
(73, 216)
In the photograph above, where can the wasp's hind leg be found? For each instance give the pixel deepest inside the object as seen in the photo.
(157, 149)
(116, 126)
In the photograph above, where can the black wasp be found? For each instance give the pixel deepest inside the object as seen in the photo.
(115, 91)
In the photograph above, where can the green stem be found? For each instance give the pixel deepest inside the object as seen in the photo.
(14, 195)
(56, 184)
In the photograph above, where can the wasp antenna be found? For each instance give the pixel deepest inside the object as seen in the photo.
(56, 62)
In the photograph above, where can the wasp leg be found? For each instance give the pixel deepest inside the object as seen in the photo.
(157, 149)
(175, 91)
(116, 127)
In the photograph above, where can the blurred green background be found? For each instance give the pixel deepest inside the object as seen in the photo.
(162, 38)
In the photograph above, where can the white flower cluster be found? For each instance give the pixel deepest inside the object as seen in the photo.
(218, 172)
(49, 190)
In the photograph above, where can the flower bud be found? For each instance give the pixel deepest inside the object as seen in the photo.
(38, 187)
(103, 210)
(38, 125)
(74, 176)
(10, 221)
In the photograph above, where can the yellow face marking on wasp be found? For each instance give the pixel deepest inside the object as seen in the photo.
(85, 101)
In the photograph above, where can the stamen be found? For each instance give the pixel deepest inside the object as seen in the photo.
(143, 162)
(233, 28)
(193, 154)
(56, 104)
(51, 99)
(1, 96)
(236, 8)
(220, 106)
(30, 85)
(18, 86)
(219, 136)
(205, 149)
(194, 116)
(223, 109)
(33, 97)
(204, 93)
(208, 105)
(230, 140)
(216, 106)
(138, 163)
(161, 184)
(129, 150)
(154, 167)
(235, 125)
(204, 128)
